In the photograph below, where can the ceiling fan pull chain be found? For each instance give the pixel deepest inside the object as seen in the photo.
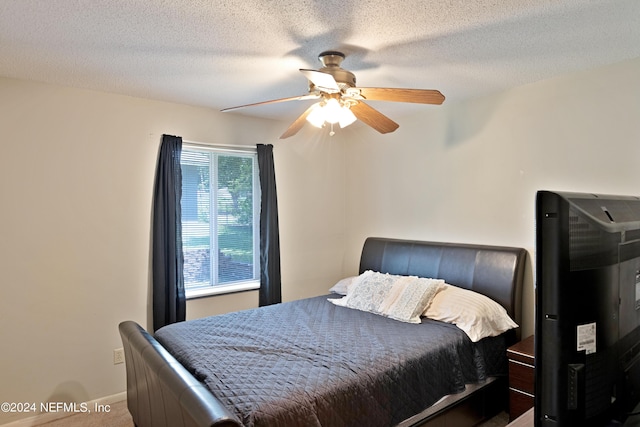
(332, 132)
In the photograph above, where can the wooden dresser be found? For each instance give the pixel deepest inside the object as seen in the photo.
(521, 377)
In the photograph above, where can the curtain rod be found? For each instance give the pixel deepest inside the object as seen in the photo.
(227, 147)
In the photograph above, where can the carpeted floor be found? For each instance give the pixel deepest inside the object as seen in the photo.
(500, 420)
(119, 416)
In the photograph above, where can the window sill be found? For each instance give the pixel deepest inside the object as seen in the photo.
(221, 289)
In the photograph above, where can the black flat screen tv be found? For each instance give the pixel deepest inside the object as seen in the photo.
(587, 328)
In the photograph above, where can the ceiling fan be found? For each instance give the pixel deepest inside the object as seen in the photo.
(341, 102)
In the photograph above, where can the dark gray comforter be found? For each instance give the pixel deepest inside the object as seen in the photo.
(311, 363)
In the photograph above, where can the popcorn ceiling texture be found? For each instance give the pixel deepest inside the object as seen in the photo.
(225, 53)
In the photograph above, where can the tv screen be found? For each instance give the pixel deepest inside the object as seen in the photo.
(587, 335)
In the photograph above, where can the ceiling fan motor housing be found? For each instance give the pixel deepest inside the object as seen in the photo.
(331, 61)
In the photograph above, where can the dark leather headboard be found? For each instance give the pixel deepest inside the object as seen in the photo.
(495, 271)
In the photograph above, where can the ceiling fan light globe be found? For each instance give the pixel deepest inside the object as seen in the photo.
(317, 116)
(332, 111)
(346, 117)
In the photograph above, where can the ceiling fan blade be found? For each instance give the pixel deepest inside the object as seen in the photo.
(373, 118)
(297, 124)
(418, 96)
(274, 101)
(322, 81)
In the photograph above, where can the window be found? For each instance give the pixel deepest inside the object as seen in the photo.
(220, 214)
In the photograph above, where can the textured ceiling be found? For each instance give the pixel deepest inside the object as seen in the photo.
(223, 53)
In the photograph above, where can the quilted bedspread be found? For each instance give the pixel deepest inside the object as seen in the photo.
(312, 363)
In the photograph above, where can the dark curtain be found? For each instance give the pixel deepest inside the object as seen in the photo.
(270, 281)
(169, 305)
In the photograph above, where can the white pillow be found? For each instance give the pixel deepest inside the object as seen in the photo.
(402, 298)
(342, 286)
(477, 315)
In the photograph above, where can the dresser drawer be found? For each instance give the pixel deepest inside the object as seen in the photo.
(519, 403)
(521, 376)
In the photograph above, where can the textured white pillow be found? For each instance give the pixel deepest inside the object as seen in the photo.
(477, 315)
(402, 298)
(342, 286)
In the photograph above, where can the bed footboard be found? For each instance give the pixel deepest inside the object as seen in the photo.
(161, 392)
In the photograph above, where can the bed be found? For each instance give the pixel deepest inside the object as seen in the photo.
(333, 365)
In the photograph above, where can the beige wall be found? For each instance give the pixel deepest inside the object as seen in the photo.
(77, 169)
(468, 172)
(76, 178)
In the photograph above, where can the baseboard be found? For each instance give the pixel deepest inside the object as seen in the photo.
(46, 417)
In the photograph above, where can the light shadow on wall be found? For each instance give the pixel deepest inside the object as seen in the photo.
(468, 119)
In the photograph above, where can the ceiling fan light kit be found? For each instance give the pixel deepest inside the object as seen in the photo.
(331, 111)
(343, 103)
